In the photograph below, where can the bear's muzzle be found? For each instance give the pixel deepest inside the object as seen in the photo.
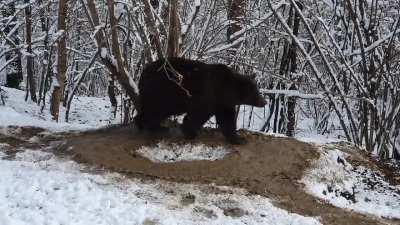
(261, 102)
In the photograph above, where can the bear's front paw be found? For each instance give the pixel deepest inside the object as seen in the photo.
(237, 140)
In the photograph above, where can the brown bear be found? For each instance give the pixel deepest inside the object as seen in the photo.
(176, 86)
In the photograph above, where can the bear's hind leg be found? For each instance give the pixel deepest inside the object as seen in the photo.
(193, 121)
(226, 120)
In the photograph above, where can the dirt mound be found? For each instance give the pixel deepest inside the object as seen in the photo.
(268, 166)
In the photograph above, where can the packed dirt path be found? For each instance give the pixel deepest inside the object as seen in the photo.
(268, 166)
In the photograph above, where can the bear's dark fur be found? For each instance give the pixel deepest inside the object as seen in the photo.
(177, 86)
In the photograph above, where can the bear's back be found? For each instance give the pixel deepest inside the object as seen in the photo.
(179, 64)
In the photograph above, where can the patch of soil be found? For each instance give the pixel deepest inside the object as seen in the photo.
(268, 166)
(14, 139)
(26, 137)
(391, 169)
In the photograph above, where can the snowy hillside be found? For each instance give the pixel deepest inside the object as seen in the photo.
(37, 188)
(86, 113)
(359, 188)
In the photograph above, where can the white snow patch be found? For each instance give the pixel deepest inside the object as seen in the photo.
(290, 93)
(2, 154)
(358, 188)
(37, 188)
(103, 53)
(34, 139)
(3, 146)
(86, 113)
(313, 137)
(33, 156)
(133, 84)
(10, 117)
(170, 153)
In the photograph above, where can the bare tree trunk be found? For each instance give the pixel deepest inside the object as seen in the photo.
(236, 12)
(69, 99)
(59, 82)
(47, 75)
(117, 69)
(151, 25)
(174, 32)
(14, 74)
(314, 67)
(121, 73)
(291, 114)
(147, 46)
(44, 23)
(29, 59)
(112, 96)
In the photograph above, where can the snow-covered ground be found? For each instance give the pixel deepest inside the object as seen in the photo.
(168, 153)
(305, 129)
(38, 188)
(357, 188)
(86, 113)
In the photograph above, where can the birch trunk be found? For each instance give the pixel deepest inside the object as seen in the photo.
(58, 86)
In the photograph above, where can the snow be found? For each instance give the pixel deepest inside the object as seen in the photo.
(191, 17)
(86, 113)
(103, 53)
(225, 46)
(2, 149)
(373, 45)
(357, 188)
(291, 93)
(132, 83)
(313, 137)
(38, 188)
(169, 153)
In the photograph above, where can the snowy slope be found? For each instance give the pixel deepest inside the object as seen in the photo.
(333, 179)
(86, 113)
(36, 188)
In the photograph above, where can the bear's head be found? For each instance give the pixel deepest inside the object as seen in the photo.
(249, 93)
(237, 89)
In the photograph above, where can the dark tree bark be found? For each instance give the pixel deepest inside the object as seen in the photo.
(151, 25)
(14, 74)
(291, 104)
(46, 69)
(112, 96)
(174, 32)
(58, 86)
(31, 82)
(236, 12)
